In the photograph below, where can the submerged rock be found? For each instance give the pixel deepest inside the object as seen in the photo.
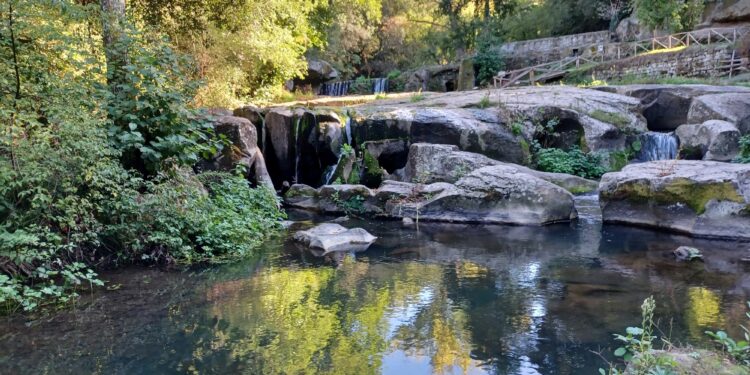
(687, 253)
(701, 198)
(330, 237)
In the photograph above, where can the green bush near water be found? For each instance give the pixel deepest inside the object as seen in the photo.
(574, 161)
(91, 178)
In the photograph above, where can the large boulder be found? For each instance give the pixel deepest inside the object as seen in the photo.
(723, 13)
(429, 163)
(668, 106)
(730, 107)
(501, 124)
(713, 140)
(701, 198)
(243, 150)
(301, 144)
(491, 195)
(329, 237)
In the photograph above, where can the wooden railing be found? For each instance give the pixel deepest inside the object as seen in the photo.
(557, 69)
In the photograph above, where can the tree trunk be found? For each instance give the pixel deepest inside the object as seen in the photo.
(115, 46)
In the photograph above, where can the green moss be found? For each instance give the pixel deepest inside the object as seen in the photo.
(373, 173)
(694, 195)
(613, 118)
(618, 160)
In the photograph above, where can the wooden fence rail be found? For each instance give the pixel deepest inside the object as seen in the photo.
(556, 69)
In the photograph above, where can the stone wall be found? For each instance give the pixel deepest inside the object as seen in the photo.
(691, 62)
(537, 51)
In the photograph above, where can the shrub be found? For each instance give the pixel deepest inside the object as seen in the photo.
(487, 60)
(575, 162)
(744, 155)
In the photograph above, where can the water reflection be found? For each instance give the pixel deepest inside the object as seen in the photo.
(444, 299)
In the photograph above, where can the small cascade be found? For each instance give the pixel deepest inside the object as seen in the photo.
(296, 149)
(263, 133)
(348, 130)
(588, 208)
(658, 146)
(331, 171)
(380, 86)
(340, 88)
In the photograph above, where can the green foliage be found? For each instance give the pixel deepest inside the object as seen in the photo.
(485, 101)
(488, 60)
(739, 350)
(417, 97)
(361, 86)
(516, 128)
(352, 206)
(574, 161)
(149, 107)
(744, 154)
(670, 15)
(638, 346)
(67, 204)
(245, 49)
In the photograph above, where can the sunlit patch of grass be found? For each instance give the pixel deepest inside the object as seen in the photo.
(663, 50)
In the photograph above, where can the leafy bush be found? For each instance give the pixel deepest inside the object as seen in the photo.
(575, 162)
(67, 204)
(488, 60)
(744, 155)
(739, 350)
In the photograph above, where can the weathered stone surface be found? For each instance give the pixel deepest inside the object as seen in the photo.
(430, 163)
(694, 362)
(701, 198)
(465, 75)
(494, 195)
(243, 150)
(730, 107)
(714, 140)
(596, 120)
(331, 237)
(728, 12)
(667, 106)
(491, 195)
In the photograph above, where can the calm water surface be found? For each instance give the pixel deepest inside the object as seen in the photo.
(443, 299)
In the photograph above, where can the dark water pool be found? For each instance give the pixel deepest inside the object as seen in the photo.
(442, 299)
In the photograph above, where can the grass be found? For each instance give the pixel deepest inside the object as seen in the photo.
(417, 97)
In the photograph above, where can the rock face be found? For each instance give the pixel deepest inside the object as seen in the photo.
(712, 140)
(705, 199)
(492, 195)
(495, 195)
(429, 163)
(330, 237)
(301, 145)
(730, 107)
(244, 151)
(501, 124)
(318, 72)
(668, 106)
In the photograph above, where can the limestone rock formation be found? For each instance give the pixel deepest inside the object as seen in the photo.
(330, 237)
(701, 198)
(713, 140)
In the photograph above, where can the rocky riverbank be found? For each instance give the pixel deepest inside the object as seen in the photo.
(469, 156)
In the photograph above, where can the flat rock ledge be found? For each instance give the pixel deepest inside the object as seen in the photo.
(699, 198)
(330, 237)
(488, 195)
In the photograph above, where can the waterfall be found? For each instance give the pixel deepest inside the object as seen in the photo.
(348, 130)
(296, 149)
(380, 86)
(658, 146)
(331, 171)
(341, 88)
